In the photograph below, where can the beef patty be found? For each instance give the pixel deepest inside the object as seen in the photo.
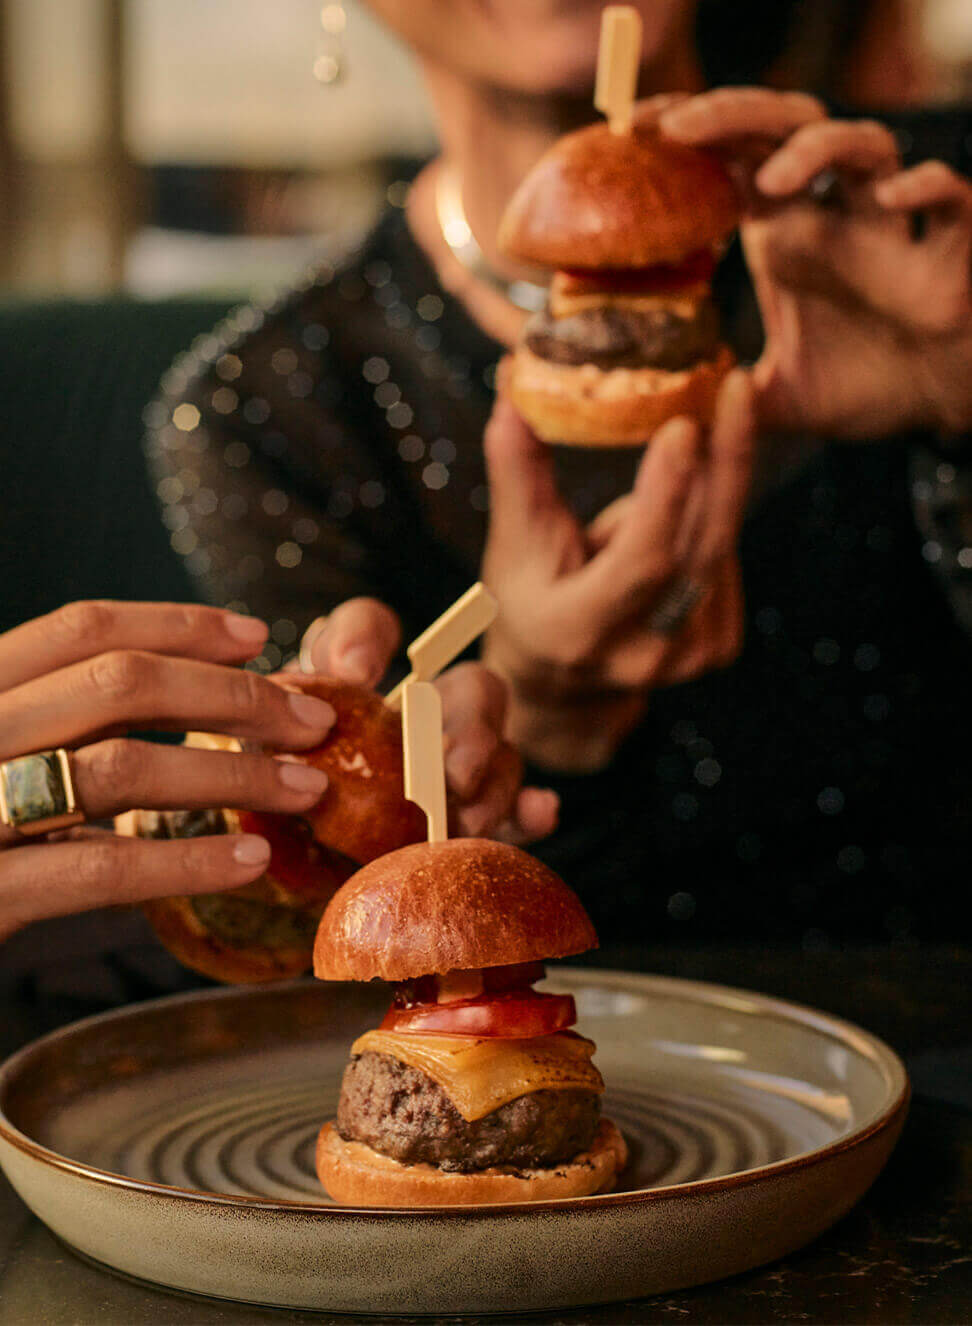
(614, 337)
(399, 1111)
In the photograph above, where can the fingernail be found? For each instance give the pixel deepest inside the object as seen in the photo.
(676, 115)
(775, 176)
(475, 820)
(251, 850)
(248, 630)
(312, 711)
(885, 190)
(461, 766)
(302, 778)
(307, 645)
(356, 664)
(683, 445)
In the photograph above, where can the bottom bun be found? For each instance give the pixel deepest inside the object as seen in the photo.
(258, 932)
(264, 955)
(583, 405)
(356, 1175)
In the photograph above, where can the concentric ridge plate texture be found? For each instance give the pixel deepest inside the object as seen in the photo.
(174, 1141)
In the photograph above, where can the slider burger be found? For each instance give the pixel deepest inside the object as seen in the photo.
(632, 225)
(474, 1088)
(265, 930)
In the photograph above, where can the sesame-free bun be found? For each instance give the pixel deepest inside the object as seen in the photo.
(356, 1175)
(363, 812)
(599, 199)
(583, 405)
(447, 906)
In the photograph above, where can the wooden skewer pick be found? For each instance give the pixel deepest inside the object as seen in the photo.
(424, 762)
(437, 646)
(618, 58)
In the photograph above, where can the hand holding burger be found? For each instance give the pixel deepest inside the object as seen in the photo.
(265, 930)
(585, 629)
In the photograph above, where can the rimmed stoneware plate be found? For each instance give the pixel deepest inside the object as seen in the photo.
(174, 1142)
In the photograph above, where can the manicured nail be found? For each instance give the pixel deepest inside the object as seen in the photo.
(462, 765)
(251, 850)
(302, 778)
(681, 115)
(307, 645)
(310, 710)
(776, 176)
(683, 443)
(886, 191)
(476, 820)
(248, 630)
(356, 664)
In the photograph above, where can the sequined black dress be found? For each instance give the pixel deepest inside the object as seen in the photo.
(819, 789)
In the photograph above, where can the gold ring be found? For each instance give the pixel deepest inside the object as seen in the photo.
(37, 793)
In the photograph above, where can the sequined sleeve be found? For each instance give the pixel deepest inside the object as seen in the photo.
(261, 483)
(942, 500)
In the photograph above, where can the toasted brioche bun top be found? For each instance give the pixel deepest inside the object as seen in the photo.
(599, 199)
(455, 905)
(363, 812)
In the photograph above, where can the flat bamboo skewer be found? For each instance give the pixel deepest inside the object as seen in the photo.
(424, 760)
(618, 60)
(447, 637)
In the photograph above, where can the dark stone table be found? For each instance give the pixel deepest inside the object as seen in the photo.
(904, 1254)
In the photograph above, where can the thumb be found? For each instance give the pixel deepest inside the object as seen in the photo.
(522, 486)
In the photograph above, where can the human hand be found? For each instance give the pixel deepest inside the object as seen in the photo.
(648, 595)
(862, 269)
(80, 678)
(484, 772)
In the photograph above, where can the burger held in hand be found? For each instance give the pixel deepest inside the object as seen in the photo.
(265, 930)
(474, 1088)
(632, 225)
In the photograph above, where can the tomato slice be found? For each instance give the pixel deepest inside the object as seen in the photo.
(297, 860)
(516, 1015)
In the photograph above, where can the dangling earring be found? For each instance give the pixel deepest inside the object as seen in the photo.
(330, 63)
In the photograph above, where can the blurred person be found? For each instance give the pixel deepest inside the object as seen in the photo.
(331, 446)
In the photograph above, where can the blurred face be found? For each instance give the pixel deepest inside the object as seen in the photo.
(533, 47)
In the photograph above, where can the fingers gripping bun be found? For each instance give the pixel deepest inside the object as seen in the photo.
(363, 813)
(356, 1175)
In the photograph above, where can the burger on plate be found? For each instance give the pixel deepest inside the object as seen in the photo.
(632, 225)
(474, 1088)
(265, 930)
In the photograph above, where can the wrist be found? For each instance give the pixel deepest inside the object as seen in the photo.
(559, 720)
(577, 736)
(947, 393)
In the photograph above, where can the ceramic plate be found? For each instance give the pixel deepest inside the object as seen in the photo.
(174, 1142)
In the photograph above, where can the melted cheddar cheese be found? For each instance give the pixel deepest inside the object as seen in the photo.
(479, 1076)
(569, 296)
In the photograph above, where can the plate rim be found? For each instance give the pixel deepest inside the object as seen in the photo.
(840, 1029)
